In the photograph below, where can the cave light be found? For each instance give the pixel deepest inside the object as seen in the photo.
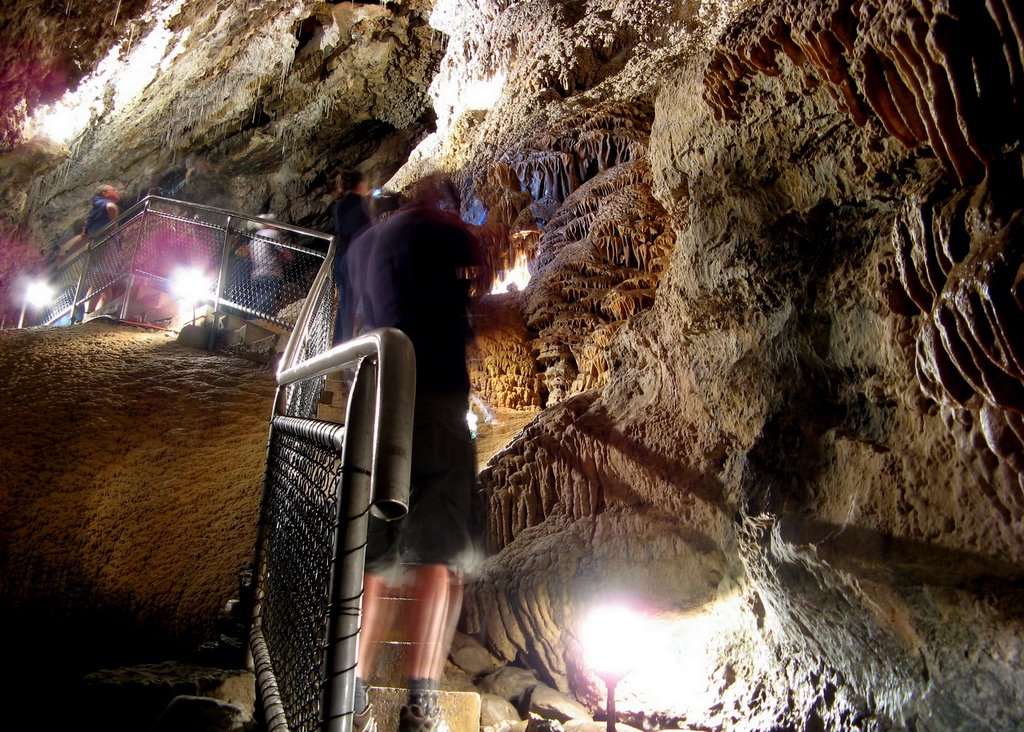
(190, 286)
(38, 294)
(613, 643)
(516, 278)
(670, 658)
(613, 639)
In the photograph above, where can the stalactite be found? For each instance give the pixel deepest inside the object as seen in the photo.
(946, 74)
(958, 257)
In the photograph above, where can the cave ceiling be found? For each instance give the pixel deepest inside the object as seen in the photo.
(772, 337)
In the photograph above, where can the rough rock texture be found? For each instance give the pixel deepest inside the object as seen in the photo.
(130, 492)
(276, 97)
(773, 322)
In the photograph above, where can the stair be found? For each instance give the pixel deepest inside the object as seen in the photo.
(459, 706)
(459, 710)
(334, 399)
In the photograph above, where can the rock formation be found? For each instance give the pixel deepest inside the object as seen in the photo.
(772, 332)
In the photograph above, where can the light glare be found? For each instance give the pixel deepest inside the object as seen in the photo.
(613, 638)
(39, 294)
(190, 286)
(513, 279)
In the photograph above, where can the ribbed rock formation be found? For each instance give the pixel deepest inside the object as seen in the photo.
(772, 330)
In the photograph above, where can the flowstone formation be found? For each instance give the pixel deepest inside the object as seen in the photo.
(771, 335)
(820, 400)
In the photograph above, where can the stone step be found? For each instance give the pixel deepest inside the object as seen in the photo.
(459, 710)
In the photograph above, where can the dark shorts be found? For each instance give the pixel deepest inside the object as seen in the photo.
(444, 524)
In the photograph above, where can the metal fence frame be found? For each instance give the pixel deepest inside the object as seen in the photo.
(121, 243)
(370, 473)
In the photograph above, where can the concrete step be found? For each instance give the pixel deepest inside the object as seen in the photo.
(459, 710)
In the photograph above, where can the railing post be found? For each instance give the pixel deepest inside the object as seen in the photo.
(130, 279)
(345, 606)
(222, 276)
(78, 285)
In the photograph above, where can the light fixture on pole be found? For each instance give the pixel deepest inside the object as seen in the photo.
(612, 643)
(38, 294)
(191, 286)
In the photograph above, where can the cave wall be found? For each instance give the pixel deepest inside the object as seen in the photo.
(771, 331)
(823, 394)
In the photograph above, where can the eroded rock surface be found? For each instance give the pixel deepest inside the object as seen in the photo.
(773, 322)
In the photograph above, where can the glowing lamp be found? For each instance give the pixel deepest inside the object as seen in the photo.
(612, 644)
(39, 294)
(190, 285)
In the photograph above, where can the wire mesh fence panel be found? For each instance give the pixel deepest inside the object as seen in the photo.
(270, 269)
(303, 397)
(299, 515)
(109, 262)
(171, 244)
(270, 272)
(64, 284)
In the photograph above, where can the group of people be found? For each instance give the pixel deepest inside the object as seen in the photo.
(409, 271)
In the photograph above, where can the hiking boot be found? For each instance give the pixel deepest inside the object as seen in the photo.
(364, 721)
(413, 718)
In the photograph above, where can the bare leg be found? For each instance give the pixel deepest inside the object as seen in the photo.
(374, 588)
(430, 593)
(451, 621)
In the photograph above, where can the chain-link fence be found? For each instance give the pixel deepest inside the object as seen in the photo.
(300, 510)
(321, 481)
(165, 255)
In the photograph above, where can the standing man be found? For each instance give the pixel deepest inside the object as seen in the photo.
(349, 217)
(410, 273)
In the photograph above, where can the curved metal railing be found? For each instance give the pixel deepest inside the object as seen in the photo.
(322, 482)
(128, 271)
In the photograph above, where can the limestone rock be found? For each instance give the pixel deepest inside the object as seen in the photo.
(543, 701)
(494, 710)
(772, 320)
(202, 714)
(473, 658)
(509, 683)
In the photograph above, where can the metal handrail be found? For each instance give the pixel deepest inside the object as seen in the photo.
(393, 405)
(148, 204)
(376, 453)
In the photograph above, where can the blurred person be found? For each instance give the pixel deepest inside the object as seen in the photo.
(266, 271)
(348, 214)
(408, 272)
(104, 210)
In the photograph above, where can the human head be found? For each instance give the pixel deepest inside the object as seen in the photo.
(351, 181)
(108, 192)
(436, 190)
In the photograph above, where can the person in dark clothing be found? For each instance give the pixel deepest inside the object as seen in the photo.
(349, 217)
(105, 209)
(409, 273)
